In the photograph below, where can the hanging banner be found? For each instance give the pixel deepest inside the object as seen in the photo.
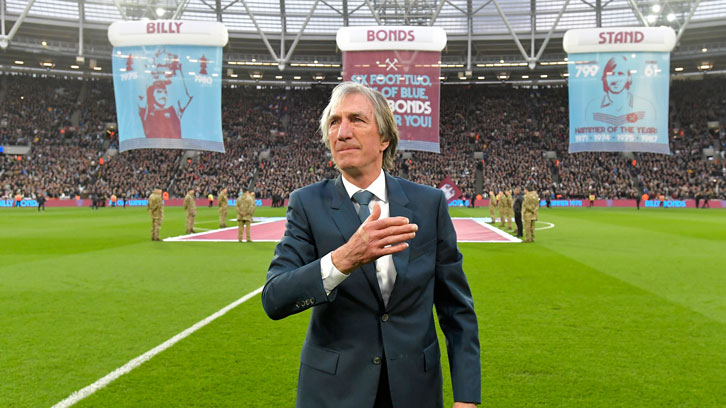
(404, 64)
(167, 79)
(450, 189)
(618, 88)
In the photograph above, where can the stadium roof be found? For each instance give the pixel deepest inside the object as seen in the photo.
(484, 36)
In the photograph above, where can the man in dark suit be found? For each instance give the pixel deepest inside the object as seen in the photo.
(372, 255)
(517, 207)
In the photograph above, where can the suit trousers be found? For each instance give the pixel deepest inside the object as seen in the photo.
(518, 221)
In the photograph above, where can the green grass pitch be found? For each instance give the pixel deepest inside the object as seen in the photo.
(610, 308)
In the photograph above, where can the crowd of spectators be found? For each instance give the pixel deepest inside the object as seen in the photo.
(504, 135)
(686, 173)
(33, 107)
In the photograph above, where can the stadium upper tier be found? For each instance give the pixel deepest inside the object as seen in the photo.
(273, 145)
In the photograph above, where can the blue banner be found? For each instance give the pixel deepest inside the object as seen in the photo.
(23, 203)
(619, 102)
(169, 96)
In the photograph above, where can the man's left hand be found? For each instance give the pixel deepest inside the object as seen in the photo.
(464, 405)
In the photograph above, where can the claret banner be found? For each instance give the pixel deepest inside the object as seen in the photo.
(167, 82)
(450, 189)
(403, 63)
(618, 88)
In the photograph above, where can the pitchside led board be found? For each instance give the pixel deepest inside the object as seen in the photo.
(404, 64)
(618, 86)
(168, 84)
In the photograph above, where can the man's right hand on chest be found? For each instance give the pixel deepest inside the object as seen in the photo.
(373, 239)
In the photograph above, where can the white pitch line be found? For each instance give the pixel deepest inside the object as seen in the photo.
(256, 221)
(509, 237)
(113, 375)
(220, 240)
(550, 225)
(197, 234)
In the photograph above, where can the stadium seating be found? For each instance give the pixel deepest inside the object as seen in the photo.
(273, 147)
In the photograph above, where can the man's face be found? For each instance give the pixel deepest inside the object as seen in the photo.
(160, 96)
(617, 79)
(354, 139)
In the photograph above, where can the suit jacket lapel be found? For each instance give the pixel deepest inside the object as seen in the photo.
(343, 211)
(347, 221)
(398, 202)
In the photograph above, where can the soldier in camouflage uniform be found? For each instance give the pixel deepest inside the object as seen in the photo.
(501, 208)
(190, 207)
(529, 213)
(155, 207)
(223, 208)
(492, 207)
(509, 208)
(245, 207)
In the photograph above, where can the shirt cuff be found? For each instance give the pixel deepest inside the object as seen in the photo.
(332, 277)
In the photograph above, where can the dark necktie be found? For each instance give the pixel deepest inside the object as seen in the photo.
(363, 198)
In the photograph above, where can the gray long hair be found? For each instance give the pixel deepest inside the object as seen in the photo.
(384, 117)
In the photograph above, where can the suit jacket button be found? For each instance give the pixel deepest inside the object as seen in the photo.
(384, 318)
(376, 360)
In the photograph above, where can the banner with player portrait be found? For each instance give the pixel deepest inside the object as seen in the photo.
(403, 63)
(618, 88)
(167, 78)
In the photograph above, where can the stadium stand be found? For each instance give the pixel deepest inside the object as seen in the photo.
(273, 146)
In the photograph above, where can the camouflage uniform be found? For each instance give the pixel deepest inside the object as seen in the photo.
(245, 207)
(501, 208)
(155, 207)
(190, 206)
(529, 214)
(492, 206)
(223, 208)
(510, 211)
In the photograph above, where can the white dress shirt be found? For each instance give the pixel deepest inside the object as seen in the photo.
(385, 269)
